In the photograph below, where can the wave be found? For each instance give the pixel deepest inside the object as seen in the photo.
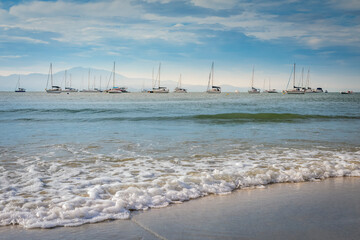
(269, 116)
(62, 110)
(207, 118)
(94, 191)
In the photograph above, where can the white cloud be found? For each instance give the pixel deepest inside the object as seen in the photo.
(352, 5)
(215, 4)
(95, 23)
(159, 1)
(11, 56)
(22, 39)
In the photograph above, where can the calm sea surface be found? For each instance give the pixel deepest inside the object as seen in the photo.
(70, 159)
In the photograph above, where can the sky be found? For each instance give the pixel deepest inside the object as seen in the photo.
(186, 36)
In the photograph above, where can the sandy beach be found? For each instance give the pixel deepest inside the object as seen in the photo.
(328, 209)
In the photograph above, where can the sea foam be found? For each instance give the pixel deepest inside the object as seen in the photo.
(88, 187)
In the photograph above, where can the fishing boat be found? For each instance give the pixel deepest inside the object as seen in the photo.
(18, 88)
(179, 89)
(159, 89)
(347, 92)
(68, 89)
(54, 88)
(253, 90)
(295, 90)
(211, 88)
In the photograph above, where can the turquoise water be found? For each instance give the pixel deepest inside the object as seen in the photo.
(76, 158)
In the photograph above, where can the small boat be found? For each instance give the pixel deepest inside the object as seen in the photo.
(295, 90)
(211, 88)
(319, 90)
(179, 89)
(18, 88)
(68, 89)
(118, 90)
(159, 89)
(115, 89)
(54, 88)
(271, 91)
(347, 92)
(94, 89)
(253, 90)
(308, 89)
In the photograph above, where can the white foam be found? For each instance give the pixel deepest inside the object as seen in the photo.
(94, 187)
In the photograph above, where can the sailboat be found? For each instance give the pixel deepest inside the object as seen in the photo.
(211, 88)
(159, 89)
(270, 90)
(253, 90)
(295, 90)
(68, 89)
(179, 89)
(18, 88)
(116, 89)
(93, 90)
(54, 88)
(308, 89)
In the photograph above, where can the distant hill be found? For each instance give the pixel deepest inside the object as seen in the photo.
(79, 79)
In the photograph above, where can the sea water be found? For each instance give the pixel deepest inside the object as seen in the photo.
(70, 159)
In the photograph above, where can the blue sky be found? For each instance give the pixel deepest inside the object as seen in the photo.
(186, 36)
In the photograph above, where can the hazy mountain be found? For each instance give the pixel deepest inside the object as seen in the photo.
(79, 78)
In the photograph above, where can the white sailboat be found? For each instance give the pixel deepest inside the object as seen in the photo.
(295, 90)
(270, 90)
(159, 89)
(253, 90)
(179, 89)
(211, 88)
(115, 89)
(54, 88)
(68, 89)
(308, 89)
(89, 90)
(18, 88)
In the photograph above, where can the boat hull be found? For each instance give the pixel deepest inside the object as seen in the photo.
(53, 91)
(295, 92)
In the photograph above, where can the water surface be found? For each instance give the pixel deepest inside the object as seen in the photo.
(70, 159)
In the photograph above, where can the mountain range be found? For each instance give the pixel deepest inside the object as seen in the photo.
(84, 78)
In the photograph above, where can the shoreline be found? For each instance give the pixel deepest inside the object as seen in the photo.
(328, 209)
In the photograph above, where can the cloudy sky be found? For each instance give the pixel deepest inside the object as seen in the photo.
(186, 36)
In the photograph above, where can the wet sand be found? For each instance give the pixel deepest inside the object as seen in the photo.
(327, 209)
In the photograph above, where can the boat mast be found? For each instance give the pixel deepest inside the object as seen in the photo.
(208, 88)
(65, 77)
(252, 79)
(302, 77)
(180, 81)
(89, 80)
(212, 74)
(51, 75)
(18, 83)
(152, 79)
(308, 78)
(159, 73)
(114, 76)
(294, 76)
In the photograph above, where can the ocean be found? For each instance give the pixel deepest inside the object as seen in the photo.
(71, 159)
